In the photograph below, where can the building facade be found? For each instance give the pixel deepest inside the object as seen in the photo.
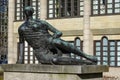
(91, 25)
(3, 30)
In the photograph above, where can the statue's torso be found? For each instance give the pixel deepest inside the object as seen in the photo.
(36, 35)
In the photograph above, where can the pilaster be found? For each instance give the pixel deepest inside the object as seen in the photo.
(11, 57)
(43, 9)
(87, 33)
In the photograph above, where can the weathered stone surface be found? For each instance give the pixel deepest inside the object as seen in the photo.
(71, 69)
(52, 72)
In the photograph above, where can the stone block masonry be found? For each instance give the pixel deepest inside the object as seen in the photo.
(53, 72)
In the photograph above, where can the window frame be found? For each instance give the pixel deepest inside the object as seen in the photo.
(22, 4)
(80, 46)
(27, 50)
(105, 8)
(110, 46)
(4, 30)
(53, 9)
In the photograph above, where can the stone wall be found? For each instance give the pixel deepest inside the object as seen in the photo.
(52, 72)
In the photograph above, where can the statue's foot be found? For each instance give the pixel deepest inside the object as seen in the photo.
(19, 62)
(71, 61)
(92, 58)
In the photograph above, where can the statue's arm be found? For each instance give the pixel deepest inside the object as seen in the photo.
(21, 39)
(56, 32)
(21, 48)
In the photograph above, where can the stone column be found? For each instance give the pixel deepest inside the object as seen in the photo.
(11, 57)
(43, 9)
(87, 34)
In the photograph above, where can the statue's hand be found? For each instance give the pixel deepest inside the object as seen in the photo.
(57, 35)
(54, 36)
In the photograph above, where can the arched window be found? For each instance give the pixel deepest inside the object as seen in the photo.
(107, 51)
(101, 51)
(78, 44)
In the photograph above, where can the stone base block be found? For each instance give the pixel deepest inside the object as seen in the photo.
(53, 72)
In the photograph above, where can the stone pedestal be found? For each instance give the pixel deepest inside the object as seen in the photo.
(53, 72)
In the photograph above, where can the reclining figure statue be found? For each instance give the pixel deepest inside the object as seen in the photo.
(48, 48)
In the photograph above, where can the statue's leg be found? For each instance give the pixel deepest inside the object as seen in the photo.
(43, 56)
(61, 44)
(70, 61)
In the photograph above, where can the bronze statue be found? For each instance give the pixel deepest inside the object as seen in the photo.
(48, 48)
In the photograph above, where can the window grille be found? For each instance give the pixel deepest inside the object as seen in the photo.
(21, 4)
(65, 8)
(105, 7)
(107, 51)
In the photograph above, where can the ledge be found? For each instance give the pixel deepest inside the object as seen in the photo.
(66, 69)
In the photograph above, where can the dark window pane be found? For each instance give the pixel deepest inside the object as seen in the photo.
(112, 48)
(112, 43)
(105, 48)
(105, 63)
(118, 58)
(112, 63)
(105, 58)
(112, 53)
(98, 63)
(97, 48)
(118, 53)
(77, 42)
(64, 8)
(109, 1)
(21, 4)
(118, 43)
(118, 63)
(105, 42)
(105, 7)
(98, 44)
(112, 58)
(98, 58)
(98, 54)
(105, 53)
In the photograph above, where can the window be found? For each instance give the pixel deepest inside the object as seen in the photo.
(105, 7)
(78, 44)
(107, 52)
(65, 8)
(3, 28)
(28, 58)
(19, 7)
(74, 8)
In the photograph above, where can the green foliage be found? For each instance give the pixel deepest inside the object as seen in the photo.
(1, 77)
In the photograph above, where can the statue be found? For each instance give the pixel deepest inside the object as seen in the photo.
(48, 48)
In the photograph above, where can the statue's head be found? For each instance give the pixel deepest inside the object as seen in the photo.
(28, 11)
